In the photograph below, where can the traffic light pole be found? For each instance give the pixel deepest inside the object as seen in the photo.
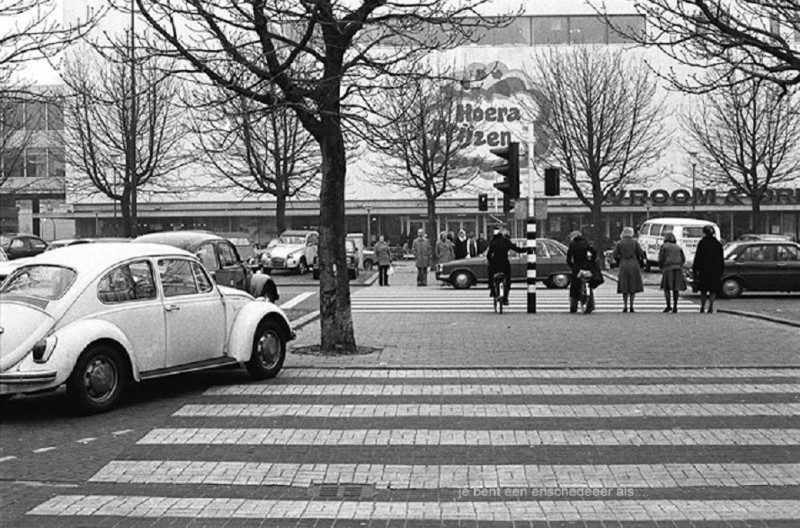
(531, 230)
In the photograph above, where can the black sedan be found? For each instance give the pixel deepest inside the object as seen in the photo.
(551, 266)
(21, 245)
(221, 259)
(760, 266)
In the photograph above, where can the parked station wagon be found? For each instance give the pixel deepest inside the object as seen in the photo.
(95, 317)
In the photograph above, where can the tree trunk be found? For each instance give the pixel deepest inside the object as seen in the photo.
(433, 236)
(125, 210)
(597, 232)
(755, 218)
(337, 336)
(280, 210)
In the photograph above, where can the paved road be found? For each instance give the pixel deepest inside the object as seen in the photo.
(446, 447)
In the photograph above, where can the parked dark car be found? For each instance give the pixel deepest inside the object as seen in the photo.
(759, 266)
(221, 259)
(551, 266)
(19, 245)
(352, 261)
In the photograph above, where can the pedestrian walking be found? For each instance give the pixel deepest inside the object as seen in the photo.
(444, 251)
(671, 260)
(421, 249)
(384, 258)
(707, 268)
(472, 246)
(629, 255)
(582, 256)
(460, 247)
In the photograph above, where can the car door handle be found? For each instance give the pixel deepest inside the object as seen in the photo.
(172, 308)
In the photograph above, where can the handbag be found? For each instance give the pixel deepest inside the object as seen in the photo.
(390, 271)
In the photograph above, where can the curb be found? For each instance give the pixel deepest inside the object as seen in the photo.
(536, 367)
(763, 317)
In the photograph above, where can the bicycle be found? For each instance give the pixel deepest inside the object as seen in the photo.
(585, 296)
(499, 290)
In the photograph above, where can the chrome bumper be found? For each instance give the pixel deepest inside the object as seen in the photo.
(27, 378)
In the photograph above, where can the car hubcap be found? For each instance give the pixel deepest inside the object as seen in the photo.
(730, 288)
(462, 280)
(100, 379)
(560, 281)
(269, 350)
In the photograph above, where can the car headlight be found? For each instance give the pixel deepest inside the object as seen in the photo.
(43, 349)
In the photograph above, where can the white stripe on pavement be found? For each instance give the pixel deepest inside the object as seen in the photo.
(636, 410)
(297, 299)
(502, 389)
(536, 373)
(398, 476)
(463, 437)
(460, 508)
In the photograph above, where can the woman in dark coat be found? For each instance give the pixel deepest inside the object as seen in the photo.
(671, 260)
(581, 256)
(707, 268)
(628, 254)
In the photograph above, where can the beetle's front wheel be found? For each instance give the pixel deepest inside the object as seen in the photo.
(98, 380)
(269, 351)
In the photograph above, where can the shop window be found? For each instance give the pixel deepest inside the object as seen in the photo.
(587, 30)
(517, 32)
(550, 30)
(625, 28)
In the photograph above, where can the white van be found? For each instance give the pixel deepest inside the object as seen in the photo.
(687, 231)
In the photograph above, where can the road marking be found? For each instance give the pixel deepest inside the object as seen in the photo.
(463, 437)
(7, 458)
(85, 441)
(300, 321)
(628, 410)
(44, 449)
(397, 476)
(122, 432)
(537, 373)
(502, 389)
(297, 299)
(517, 510)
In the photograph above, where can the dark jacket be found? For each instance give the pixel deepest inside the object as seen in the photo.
(582, 256)
(498, 252)
(709, 263)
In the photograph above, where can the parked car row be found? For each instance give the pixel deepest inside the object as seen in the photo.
(96, 318)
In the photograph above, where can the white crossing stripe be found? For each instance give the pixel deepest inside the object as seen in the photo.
(464, 437)
(398, 476)
(629, 410)
(297, 299)
(502, 389)
(44, 449)
(517, 510)
(7, 458)
(541, 373)
(476, 299)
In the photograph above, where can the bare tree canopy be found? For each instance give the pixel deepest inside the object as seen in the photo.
(313, 57)
(748, 136)
(605, 125)
(105, 119)
(423, 140)
(255, 149)
(758, 38)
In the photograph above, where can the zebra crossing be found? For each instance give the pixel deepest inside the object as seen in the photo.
(439, 447)
(445, 299)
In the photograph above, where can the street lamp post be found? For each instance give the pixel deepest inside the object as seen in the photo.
(693, 156)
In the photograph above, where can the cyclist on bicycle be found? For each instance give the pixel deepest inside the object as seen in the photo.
(497, 257)
(581, 256)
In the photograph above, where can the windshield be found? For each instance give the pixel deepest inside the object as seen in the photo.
(693, 232)
(292, 240)
(349, 246)
(729, 249)
(42, 281)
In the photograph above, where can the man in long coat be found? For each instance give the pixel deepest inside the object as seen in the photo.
(422, 255)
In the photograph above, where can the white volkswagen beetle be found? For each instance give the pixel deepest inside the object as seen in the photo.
(97, 316)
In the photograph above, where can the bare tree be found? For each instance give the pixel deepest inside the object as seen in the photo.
(256, 149)
(605, 125)
(748, 135)
(758, 38)
(316, 58)
(105, 120)
(424, 143)
(15, 135)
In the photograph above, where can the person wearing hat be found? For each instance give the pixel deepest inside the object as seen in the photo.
(707, 268)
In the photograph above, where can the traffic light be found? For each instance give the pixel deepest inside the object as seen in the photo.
(509, 185)
(483, 202)
(552, 181)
